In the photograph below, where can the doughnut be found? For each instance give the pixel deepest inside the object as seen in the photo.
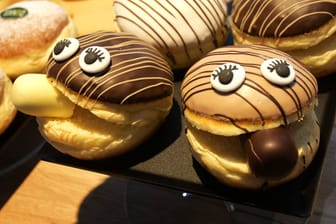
(28, 31)
(105, 93)
(259, 128)
(183, 31)
(305, 29)
(7, 108)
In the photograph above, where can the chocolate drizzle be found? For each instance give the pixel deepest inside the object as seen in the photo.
(257, 100)
(281, 18)
(138, 73)
(168, 25)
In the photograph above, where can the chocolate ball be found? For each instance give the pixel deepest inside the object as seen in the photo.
(271, 152)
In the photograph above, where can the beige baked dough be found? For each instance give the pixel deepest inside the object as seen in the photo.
(102, 138)
(7, 109)
(225, 158)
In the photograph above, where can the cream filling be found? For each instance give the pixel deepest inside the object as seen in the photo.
(34, 94)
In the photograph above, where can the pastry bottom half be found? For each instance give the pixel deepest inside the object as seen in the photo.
(225, 158)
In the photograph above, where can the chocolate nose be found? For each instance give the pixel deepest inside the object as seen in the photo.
(271, 152)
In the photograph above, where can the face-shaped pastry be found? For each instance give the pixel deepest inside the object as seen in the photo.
(305, 29)
(250, 115)
(104, 93)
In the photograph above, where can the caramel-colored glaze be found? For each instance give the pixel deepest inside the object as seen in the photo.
(257, 100)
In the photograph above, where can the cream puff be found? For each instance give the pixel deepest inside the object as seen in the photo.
(250, 119)
(183, 31)
(306, 29)
(29, 30)
(104, 94)
(7, 108)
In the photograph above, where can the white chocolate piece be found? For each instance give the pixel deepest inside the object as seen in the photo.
(32, 94)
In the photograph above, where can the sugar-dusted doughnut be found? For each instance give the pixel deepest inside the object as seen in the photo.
(250, 115)
(105, 92)
(183, 31)
(28, 31)
(306, 29)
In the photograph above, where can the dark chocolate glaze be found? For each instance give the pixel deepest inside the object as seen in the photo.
(138, 72)
(281, 18)
(271, 152)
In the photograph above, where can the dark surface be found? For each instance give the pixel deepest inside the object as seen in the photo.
(164, 163)
(165, 160)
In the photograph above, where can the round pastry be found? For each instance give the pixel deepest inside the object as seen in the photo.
(306, 29)
(183, 31)
(29, 30)
(7, 109)
(104, 94)
(250, 117)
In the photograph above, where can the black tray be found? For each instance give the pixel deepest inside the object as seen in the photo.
(165, 160)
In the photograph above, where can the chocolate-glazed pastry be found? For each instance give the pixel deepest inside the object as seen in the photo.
(304, 29)
(259, 125)
(104, 94)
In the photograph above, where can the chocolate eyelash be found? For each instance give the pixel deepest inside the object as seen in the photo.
(93, 54)
(61, 45)
(276, 63)
(224, 68)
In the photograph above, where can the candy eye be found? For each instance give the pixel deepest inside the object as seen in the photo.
(227, 77)
(278, 71)
(65, 48)
(94, 59)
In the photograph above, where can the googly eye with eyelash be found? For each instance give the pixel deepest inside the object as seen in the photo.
(94, 59)
(227, 77)
(278, 71)
(65, 48)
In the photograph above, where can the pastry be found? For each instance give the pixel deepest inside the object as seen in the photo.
(29, 30)
(249, 112)
(306, 29)
(183, 31)
(7, 109)
(104, 94)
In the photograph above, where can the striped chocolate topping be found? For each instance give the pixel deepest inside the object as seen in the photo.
(137, 73)
(257, 100)
(281, 18)
(174, 25)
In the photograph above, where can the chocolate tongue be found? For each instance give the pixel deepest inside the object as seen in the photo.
(271, 152)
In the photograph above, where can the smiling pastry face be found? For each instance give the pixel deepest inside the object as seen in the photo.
(104, 94)
(251, 101)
